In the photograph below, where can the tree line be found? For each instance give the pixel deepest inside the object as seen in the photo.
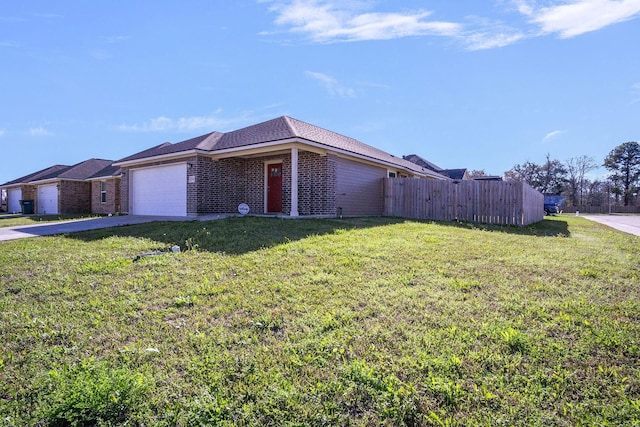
(569, 178)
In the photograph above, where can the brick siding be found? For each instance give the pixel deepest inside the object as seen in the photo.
(74, 197)
(112, 205)
(219, 186)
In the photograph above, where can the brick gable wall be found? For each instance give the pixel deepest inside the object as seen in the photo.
(74, 197)
(112, 205)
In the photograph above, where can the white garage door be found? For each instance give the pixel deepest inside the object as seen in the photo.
(14, 196)
(159, 191)
(48, 199)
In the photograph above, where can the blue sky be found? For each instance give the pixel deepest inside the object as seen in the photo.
(465, 83)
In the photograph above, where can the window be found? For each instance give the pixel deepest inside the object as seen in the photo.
(103, 191)
(392, 174)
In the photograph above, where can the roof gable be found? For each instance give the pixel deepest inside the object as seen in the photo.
(84, 170)
(280, 129)
(51, 171)
(203, 142)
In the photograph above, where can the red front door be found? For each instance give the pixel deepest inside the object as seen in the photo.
(274, 187)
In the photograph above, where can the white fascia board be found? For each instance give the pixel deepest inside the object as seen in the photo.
(105, 177)
(10, 186)
(161, 158)
(319, 148)
(46, 181)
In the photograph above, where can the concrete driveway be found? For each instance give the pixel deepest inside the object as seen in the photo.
(627, 223)
(63, 227)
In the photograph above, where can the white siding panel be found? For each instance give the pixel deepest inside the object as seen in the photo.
(48, 199)
(359, 188)
(14, 195)
(159, 190)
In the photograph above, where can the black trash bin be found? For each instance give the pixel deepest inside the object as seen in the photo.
(27, 207)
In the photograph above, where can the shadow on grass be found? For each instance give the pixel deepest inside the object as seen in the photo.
(548, 227)
(243, 235)
(236, 235)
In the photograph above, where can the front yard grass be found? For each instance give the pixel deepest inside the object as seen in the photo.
(13, 220)
(263, 321)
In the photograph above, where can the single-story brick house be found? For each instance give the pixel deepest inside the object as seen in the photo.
(57, 189)
(22, 189)
(282, 166)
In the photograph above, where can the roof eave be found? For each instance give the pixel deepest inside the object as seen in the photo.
(158, 158)
(325, 148)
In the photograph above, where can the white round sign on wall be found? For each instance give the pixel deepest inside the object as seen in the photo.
(243, 208)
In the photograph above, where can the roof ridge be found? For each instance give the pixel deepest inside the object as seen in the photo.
(289, 122)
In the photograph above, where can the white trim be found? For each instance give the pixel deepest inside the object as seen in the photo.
(282, 144)
(294, 182)
(103, 178)
(303, 143)
(179, 155)
(103, 192)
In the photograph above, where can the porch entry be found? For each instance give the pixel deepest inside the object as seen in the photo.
(274, 188)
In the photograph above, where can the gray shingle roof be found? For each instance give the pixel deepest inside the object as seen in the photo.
(84, 170)
(203, 142)
(108, 172)
(280, 129)
(39, 175)
(79, 171)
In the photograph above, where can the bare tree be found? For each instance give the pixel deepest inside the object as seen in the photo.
(546, 178)
(477, 173)
(577, 168)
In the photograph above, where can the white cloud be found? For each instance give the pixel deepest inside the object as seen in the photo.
(326, 21)
(552, 135)
(183, 124)
(488, 40)
(332, 85)
(330, 21)
(576, 17)
(39, 131)
(2, 132)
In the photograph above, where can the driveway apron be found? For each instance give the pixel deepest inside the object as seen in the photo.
(627, 223)
(63, 227)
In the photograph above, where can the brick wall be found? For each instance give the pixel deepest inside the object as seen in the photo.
(316, 184)
(219, 186)
(112, 204)
(74, 197)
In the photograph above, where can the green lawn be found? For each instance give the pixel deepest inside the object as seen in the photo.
(263, 321)
(10, 220)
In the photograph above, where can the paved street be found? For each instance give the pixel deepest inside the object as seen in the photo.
(52, 228)
(627, 223)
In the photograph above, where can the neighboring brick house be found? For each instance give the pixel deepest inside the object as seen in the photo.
(57, 189)
(22, 189)
(105, 191)
(282, 166)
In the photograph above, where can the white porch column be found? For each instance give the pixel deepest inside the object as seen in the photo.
(294, 181)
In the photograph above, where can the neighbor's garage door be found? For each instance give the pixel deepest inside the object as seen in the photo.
(160, 190)
(14, 195)
(48, 199)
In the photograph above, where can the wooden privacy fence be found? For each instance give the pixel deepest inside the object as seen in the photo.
(488, 202)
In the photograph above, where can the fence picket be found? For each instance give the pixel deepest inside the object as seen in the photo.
(492, 202)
